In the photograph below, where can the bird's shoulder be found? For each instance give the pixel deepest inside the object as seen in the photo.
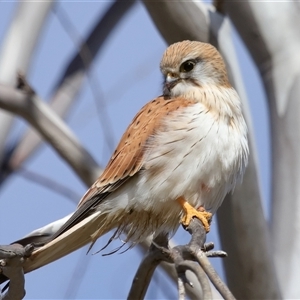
(127, 158)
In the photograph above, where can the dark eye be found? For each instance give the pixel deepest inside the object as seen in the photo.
(187, 66)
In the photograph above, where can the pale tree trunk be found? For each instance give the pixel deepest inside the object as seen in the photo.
(18, 49)
(243, 229)
(271, 33)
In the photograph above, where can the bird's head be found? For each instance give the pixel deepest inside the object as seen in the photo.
(188, 65)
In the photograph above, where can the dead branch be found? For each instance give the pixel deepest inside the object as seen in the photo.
(279, 64)
(27, 104)
(192, 257)
(18, 49)
(11, 266)
(152, 259)
(183, 257)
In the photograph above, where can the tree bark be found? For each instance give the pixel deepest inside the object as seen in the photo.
(271, 34)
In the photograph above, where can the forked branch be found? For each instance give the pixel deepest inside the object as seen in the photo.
(11, 266)
(191, 257)
(23, 101)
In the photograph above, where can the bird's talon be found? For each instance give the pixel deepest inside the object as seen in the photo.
(190, 212)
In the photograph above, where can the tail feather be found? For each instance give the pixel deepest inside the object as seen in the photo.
(74, 238)
(86, 231)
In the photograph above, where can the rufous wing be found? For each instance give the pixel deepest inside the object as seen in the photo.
(127, 160)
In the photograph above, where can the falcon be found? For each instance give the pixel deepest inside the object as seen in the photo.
(179, 157)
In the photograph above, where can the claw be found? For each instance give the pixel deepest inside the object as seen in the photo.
(190, 212)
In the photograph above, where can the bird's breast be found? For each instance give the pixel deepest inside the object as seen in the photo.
(196, 154)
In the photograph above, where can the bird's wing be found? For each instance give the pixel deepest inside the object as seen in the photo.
(127, 159)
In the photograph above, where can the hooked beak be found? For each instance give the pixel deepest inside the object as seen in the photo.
(171, 80)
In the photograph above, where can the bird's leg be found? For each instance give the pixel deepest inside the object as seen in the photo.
(190, 212)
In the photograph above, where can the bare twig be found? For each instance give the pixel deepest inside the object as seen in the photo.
(183, 266)
(87, 59)
(147, 267)
(181, 289)
(213, 276)
(11, 260)
(183, 257)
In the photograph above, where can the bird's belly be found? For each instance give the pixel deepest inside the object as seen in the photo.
(199, 160)
(194, 155)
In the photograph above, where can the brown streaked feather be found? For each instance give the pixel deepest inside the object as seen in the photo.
(127, 159)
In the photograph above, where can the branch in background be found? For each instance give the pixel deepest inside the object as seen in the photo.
(17, 50)
(27, 104)
(152, 259)
(70, 82)
(242, 225)
(177, 21)
(277, 59)
(183, 258)
(87, 59)
(11, 266)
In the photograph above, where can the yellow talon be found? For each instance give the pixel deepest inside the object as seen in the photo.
(190, 212)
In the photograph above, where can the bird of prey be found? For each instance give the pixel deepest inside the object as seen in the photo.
(179, 157)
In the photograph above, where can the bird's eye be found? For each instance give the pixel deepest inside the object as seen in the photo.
(187, 66)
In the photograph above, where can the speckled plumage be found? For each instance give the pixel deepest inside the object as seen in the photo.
(191, 142)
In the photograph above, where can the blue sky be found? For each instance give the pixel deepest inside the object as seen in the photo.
(127, 75)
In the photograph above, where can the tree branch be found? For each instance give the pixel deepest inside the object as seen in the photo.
(184, 266)
(17, 50)
(25, 103)
(11, 266)
(183, 258)
(279, 64)
(70, 82)
(143, 276)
